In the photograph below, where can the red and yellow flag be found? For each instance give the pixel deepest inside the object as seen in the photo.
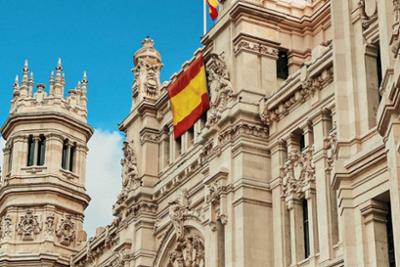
(189, 97)
(213, 6)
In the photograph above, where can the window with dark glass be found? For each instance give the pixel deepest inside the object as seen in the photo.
(302, 142)
(306, 229)
(10, 157)
(41, 151)
(282, 65)
(68, 156)
(31, 151)
(389, 231)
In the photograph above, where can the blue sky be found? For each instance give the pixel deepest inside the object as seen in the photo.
(98, 36)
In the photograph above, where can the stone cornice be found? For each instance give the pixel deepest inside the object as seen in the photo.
(297, 24)
(254, 45)
(57, 117)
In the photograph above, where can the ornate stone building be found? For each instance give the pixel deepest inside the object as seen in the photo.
(296, 163)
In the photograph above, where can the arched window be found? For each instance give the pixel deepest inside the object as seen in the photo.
(68, 155)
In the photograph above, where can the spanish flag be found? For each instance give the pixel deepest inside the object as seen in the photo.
(213, 6)
(189, 96)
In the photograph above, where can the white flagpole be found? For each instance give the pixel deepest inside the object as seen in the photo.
(204, 17)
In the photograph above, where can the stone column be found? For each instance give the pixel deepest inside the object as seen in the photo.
(295, 208)
(393, 156)
(36, 140)
(280, 215)
(374, 218)
(54, 149)
(310, 195)
(323, 187)
(80, 162)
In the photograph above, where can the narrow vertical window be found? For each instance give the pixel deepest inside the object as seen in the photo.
(178, 147)
(389, 231)
(64, 155)
(282, 65)
(41, 151)
(71, 158)
(31, 151)
(302, 142)
(10, 156)
(306, 229)
(379, 67)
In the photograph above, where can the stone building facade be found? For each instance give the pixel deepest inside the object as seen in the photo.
(295, 164)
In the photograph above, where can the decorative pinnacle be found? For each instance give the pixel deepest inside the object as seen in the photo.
(31, 76)
(59, 65)
(16, 79)
(84, 78)
(26, 65)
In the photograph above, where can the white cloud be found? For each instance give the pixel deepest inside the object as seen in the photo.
(2, 143)
(103, 178)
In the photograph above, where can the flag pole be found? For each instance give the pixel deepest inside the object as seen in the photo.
(204, 17)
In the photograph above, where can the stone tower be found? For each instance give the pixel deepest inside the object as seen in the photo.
(42, 189)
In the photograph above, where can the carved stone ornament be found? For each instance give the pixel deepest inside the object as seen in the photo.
(188, 252)
(50, 224)
(189, 248)
(298, 172)
(330, 148)
(395, 42)
(220, 86)
(147, 70)
(216, 199)
(308, 87)
(28, 226)
(367, 9)
(130, 173)
(178, 210)
(65, 231)
(5, 227)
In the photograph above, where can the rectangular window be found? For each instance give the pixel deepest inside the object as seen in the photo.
(71, 159)
(10, 157)
(31, 151)
(282, 65)
(178, 147)
(64, 156)
(302, 142)
(306, 229)
(389, 231)
(41, 151)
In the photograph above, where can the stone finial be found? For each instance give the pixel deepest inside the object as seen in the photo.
(147, 72)
(59, 80)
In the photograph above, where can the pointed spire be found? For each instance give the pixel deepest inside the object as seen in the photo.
(25, 79)
(59, 65)
(51, 83)
(83, 90)
(59, 80)
(30, 84)
(16, 81)
(16, 86)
